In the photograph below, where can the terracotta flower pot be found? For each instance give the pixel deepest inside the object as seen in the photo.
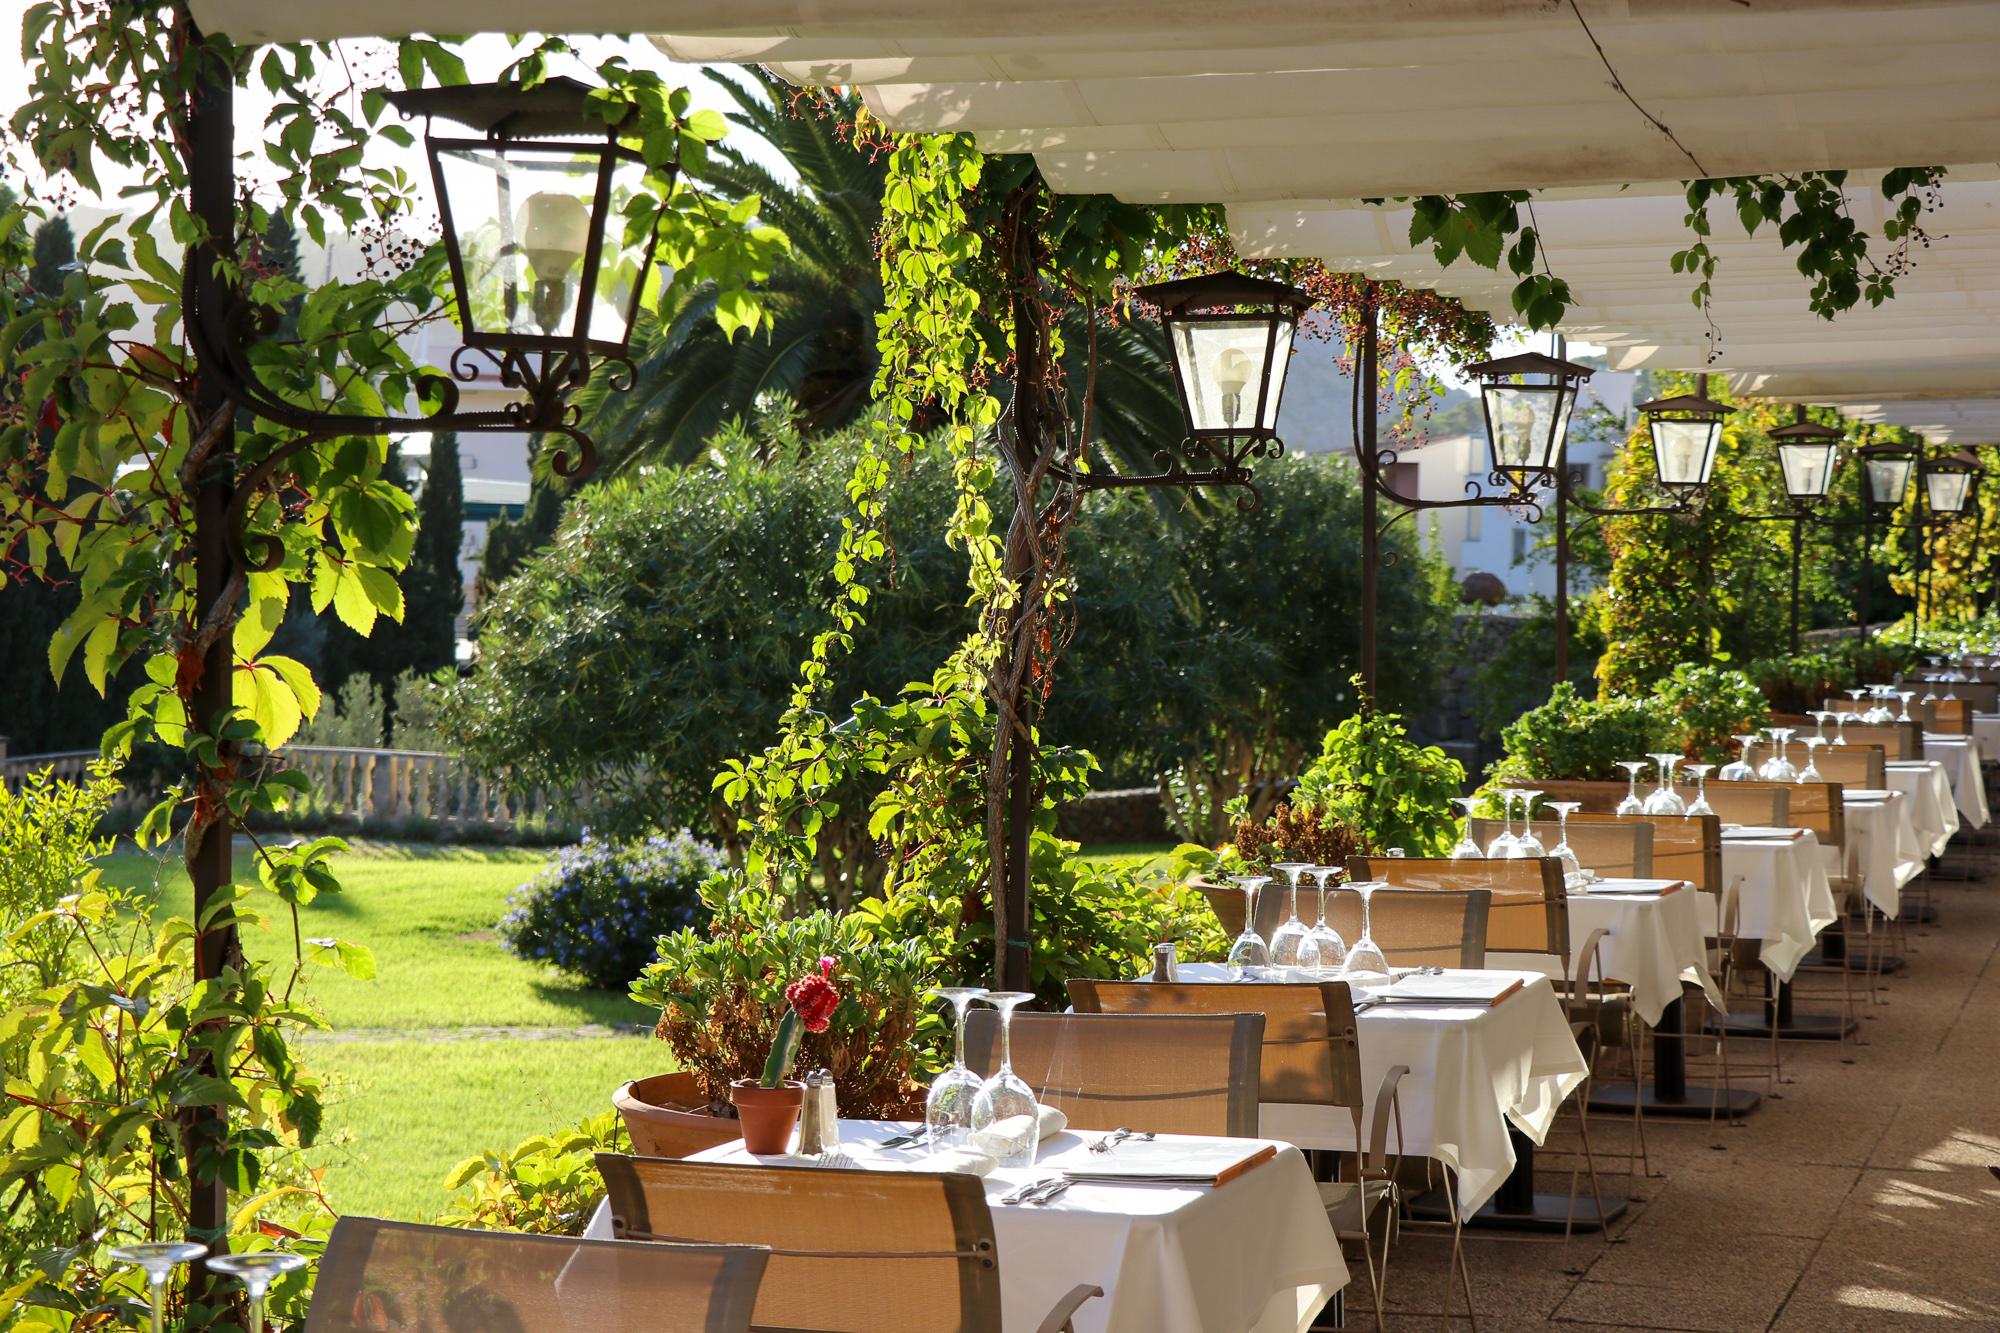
(667, 1116)
(766, 1115)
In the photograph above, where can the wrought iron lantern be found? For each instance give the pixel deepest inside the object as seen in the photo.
(1886, 472)
(1230, 338)
(1528, 400)
(1949, 484)
(1806, 456)
(1686, 431)
(531, 200)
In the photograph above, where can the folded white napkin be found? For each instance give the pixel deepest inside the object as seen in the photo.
(964, 1161)
(996, 1136)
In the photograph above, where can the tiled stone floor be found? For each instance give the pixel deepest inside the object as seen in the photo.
(1859, 1199)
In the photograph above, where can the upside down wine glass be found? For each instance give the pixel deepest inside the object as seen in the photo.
(1664, 800)
(1005, 1113)
(1288, 939)
(1329, 950)
(1562, 851)
(1467, 849)
(1778, 768)
(1502, 845)
(1811, 771)
(1526, 844)
(1906, 696)
(1249, 955)
(948, 1108)
(1738, 769)
(1366, 959)
(1632, 805)
(257, 1271)
(1820, 715)
(159, 1258)
(1700, 806)
(1840, 728)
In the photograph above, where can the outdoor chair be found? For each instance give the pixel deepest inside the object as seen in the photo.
(399, 1277)
(852, 1251)
(1311, 1056)
(1899, 740)
(1414, 929)
(1616, 850)
(1951, 717)
(1752, 804)
(1164, 1073)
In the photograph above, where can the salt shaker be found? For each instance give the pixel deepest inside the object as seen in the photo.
(819, 1115)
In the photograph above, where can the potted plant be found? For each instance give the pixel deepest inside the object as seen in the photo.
(768, 1107)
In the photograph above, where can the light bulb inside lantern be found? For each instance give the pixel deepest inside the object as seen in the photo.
(554, 229)
(1233, 369)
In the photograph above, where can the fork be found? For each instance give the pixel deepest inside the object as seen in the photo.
(1021, 1193)
(1112, 1140)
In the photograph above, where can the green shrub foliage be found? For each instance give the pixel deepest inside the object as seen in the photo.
(597, 909)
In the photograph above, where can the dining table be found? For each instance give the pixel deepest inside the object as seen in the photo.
(1486, 1080)
(1885, 849)
(1784, 899)
(1656, 945)
(1963, 758)
(1255, 1253)
(1933, 811)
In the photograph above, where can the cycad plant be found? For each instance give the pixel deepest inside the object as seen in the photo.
(818, 350)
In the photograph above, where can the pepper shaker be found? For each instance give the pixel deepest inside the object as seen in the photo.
(819, 1118)
(1164, 963)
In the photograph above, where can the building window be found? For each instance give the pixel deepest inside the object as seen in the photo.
(1475, 524)
(1520, 544)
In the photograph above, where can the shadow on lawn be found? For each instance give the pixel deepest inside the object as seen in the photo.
(596, 1006)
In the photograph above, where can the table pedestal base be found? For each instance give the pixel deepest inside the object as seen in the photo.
(1919, 914)
(1519, 1206)
(1790, 1026)
(1692, 1104)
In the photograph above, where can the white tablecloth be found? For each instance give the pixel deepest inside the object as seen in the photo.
(1884, 850)
(1783, 898)
(1961, 756)
(1257, 1253)
(1933, 812)
(1655, 940)
(1986, 729)
(1473, 1071)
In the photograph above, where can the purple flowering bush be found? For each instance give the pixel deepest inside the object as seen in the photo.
(600, 909)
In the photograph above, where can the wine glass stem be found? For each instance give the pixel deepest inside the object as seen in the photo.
(158, 1287)
(1006, 1041)
(958, 1036)
(1367, 931)
(1293, 906)
(256, 1312)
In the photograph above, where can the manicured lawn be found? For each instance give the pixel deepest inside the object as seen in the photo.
(428, 912)
(404, 1113)
(415, 1088)
(1125, 853)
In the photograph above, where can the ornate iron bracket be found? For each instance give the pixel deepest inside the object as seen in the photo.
(222, 339)
(1232, 459)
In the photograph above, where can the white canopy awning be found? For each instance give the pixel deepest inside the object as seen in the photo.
(1291, 111)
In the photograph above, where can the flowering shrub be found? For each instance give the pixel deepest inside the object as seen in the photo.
(598, 910)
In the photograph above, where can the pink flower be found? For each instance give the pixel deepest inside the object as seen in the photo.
(814, 998)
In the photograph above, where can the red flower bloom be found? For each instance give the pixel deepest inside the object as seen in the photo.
(814, 998)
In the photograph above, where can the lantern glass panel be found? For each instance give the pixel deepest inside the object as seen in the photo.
(1808, 468)
(1888, 478)
(1684, 451)
(1223, 364)
(1526, 424)
(523, 218)
(1947, 491)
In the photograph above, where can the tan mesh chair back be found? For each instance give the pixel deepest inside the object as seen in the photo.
(1951, 717)
(1981, 695)
(666, 1117)
(1852, 765)
(1527, 914)
(1167, 1073)
(1310, 1054)
(1752, 804)
(1596, 798)
(1622, 850)
(399, 1277)
(1813, 805)
(1426, 928)
(1899, 740)
(852, 1251)
(1685, 847)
